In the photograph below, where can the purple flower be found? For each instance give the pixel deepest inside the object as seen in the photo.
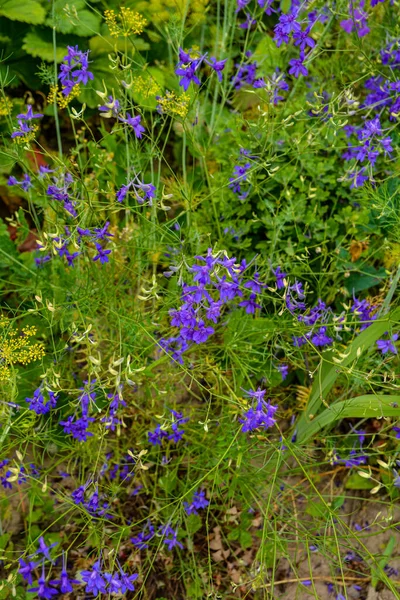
(102, 254)
(79, 428)
(297, 67)
(26, 568)
(250, 305)
(303, 39)
(188, 74)
(156, 437)
(127, 582)
(386, 346)
(260, 415)
(198, 502)
(140, 541)
(283, 370)
(134, 122)
(43, 590)
(74, 70)
(280, 277)
(65, 583)
(29, 115)
(94, 579)
(320, 338)
(43, 549)
(111, 108)
(217, 66)
(171, 539)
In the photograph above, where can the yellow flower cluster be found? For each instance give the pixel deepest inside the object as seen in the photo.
(27, 137)
(147, 87)
(5, 106)
(125, 23)
(176, 106)
(162, 11)
(62, 100)
(17, 348)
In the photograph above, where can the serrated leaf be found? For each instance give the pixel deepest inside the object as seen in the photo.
(41, 45)
(30, 11)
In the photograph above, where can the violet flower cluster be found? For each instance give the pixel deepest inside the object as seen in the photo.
(217, 282)
(372, 143)
(99, 581)
(74, 70)
(39, 404)
(85, 238)
(25, 125)
(260, 415)
(94, 504)
(142, 192)
(239, 175)
(189, 64)
(159, 434)
(373, 139)
(199, 501)
(168, 534)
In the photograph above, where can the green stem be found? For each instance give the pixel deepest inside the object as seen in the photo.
(56, 120)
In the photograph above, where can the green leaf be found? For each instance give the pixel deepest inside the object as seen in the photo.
(193, 524)
(375, 572)
(29, 11)
(362, 407)
(41, 45)
(330, 370)
(356, 482)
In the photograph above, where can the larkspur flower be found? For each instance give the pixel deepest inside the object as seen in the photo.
(198, 502)
(65, 583)
(135, 123)
(170, 537)
(102, 254)
(44, 549)
(297, 66)
(386, 346)
(260, 415)
(42, 589)
(217, 66)
(74, 70)
(26, 569)
(94, 579)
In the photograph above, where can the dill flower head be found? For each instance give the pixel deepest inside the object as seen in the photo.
(173, 105)
(17, 347)
(55, 94)
(126, 22)
(5, 106)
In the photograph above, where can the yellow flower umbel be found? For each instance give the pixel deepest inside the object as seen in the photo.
(126, 22)
(176, 106)
(5, 106)
(62, 101)
(146, 86)
(17, 347)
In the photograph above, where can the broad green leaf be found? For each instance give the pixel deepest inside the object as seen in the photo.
(41, 45)
(28, 11)
(330, 370)
(362, 407)
(356, 482)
